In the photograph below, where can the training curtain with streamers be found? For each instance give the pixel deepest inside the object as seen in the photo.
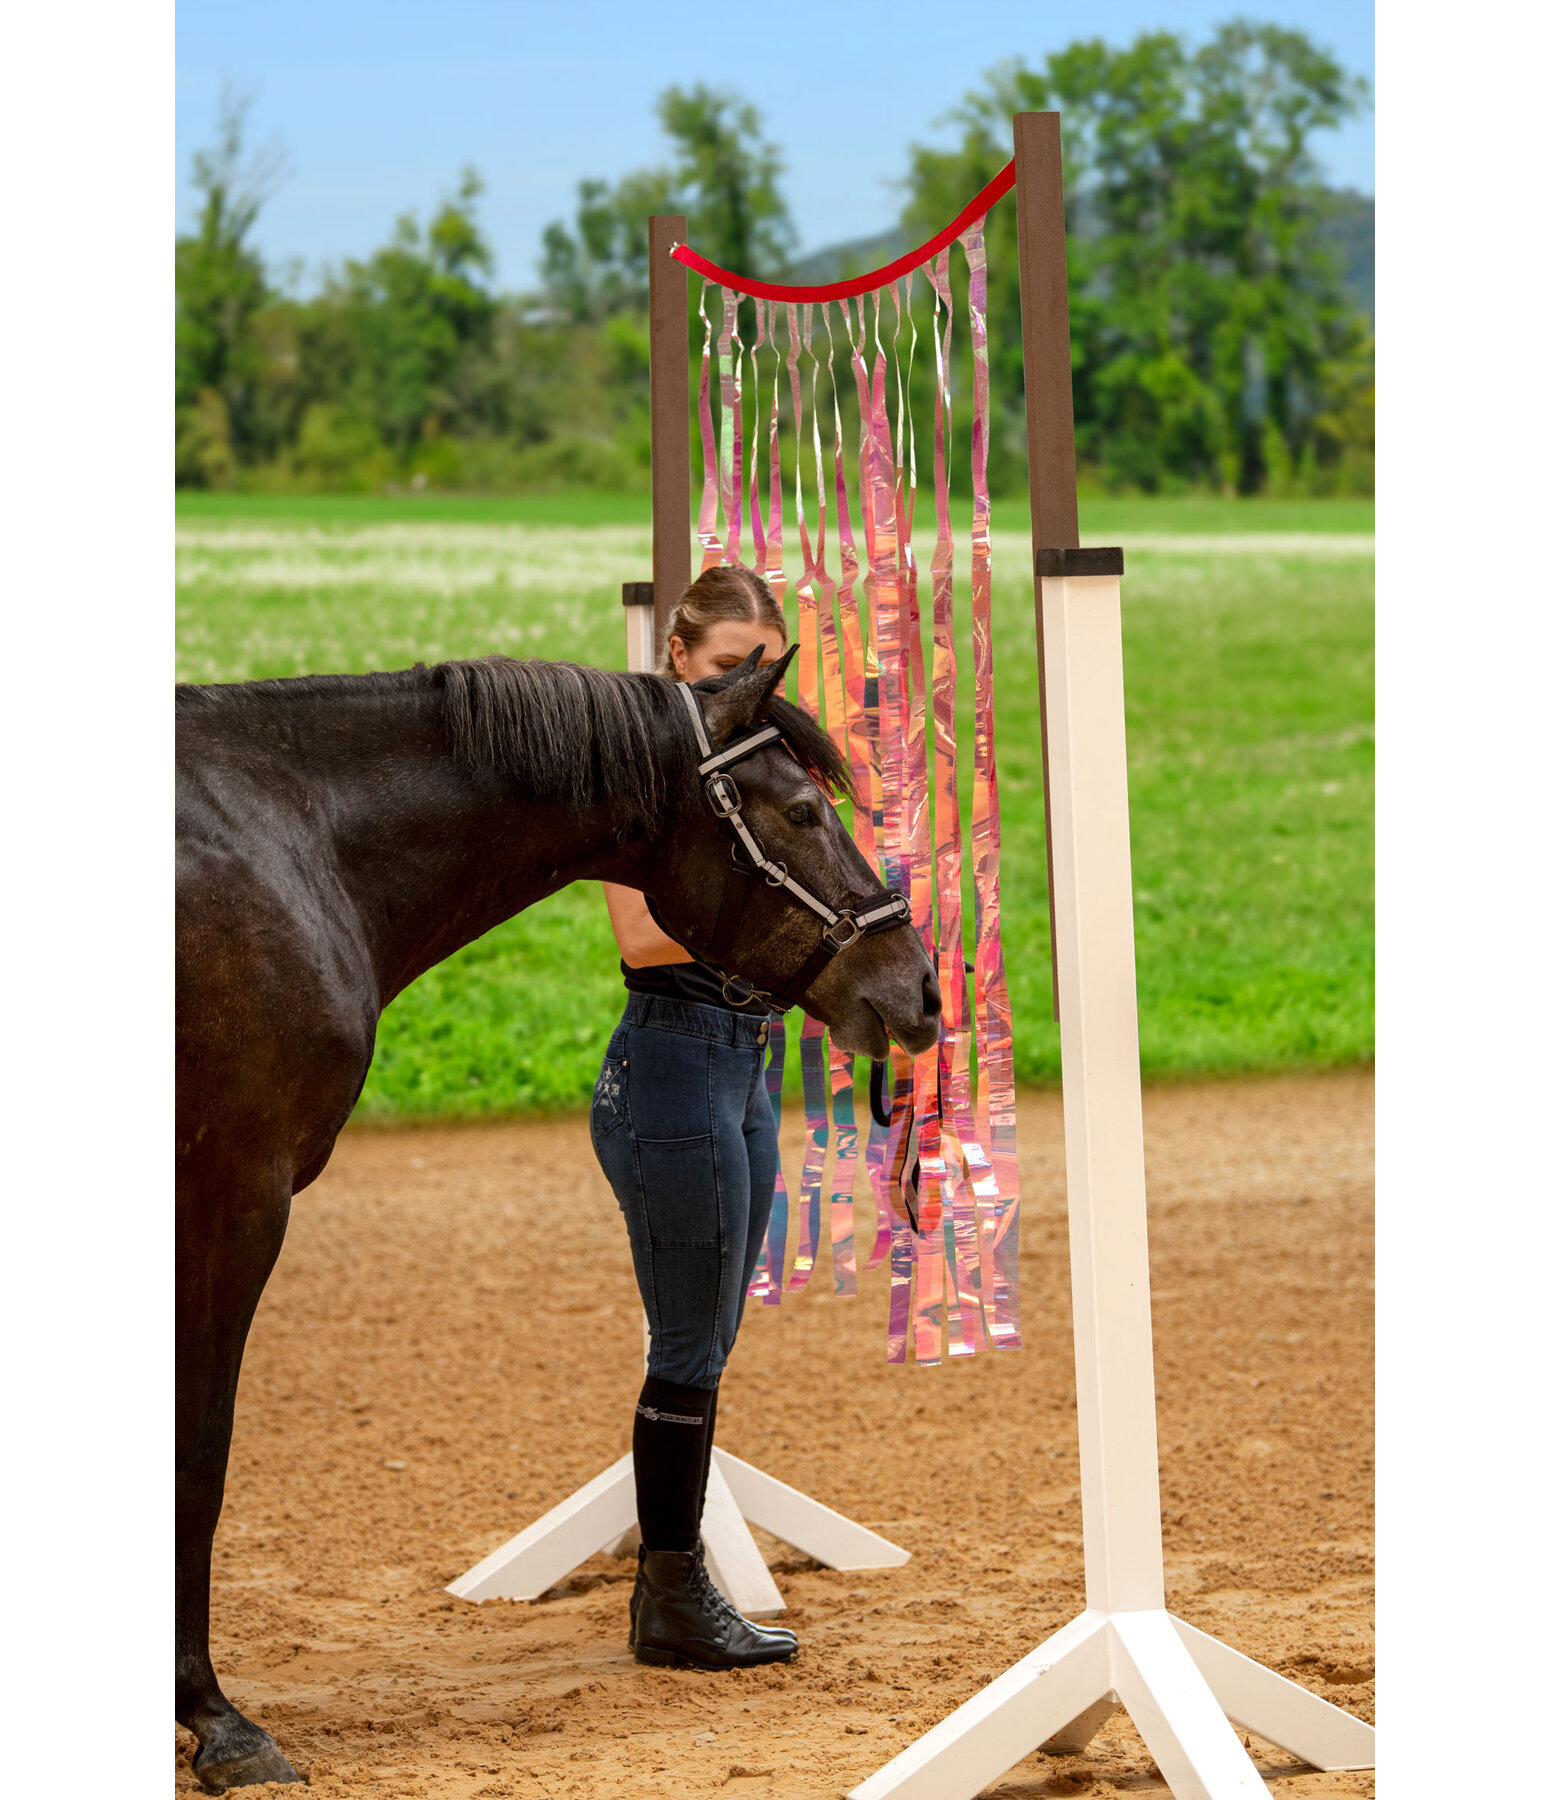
(934, 1137)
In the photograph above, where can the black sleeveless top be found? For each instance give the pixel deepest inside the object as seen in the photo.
(695, 982)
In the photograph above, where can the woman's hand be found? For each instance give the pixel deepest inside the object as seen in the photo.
(642, 942)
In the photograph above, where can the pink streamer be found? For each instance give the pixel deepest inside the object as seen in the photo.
(756, 517)
(814, 601)
(960, 1148)
(997, 1110)
(730, 357)
(769, 1271)
(710, 544)
(888, 659)
(773, 566)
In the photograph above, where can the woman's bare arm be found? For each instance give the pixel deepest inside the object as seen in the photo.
(642, 942)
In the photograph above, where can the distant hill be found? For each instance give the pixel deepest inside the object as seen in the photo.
(840, 261)
(1350, 234)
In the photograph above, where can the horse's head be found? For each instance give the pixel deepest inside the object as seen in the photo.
(708, 896)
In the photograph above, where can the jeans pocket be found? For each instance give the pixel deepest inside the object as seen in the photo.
(669, 1085)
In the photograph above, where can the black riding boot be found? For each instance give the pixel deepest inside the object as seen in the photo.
(682, 1619)
(772, 1631)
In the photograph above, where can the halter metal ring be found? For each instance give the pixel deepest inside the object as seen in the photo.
(721, 792)
(844, 932)
(775, 874)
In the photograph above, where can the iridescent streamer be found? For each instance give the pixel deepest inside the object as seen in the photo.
(961, 1155)
(935, 1250)
(848, 726)
(710, 544)
(769, 1271)
(841, 1063)
(774, 567)
(875, 1161)
(842, 1230)
(915, 1286)
(910, 821)
(756, 516)
(815, 1097)
(997, 1109)
(730, 357)
(860, 702)
(887, 665)
(814, 579)
(814, 598)
(794, 373)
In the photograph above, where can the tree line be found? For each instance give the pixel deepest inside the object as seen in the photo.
(1213, 345)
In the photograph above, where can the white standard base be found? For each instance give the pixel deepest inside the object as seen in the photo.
(601, 1515)
(1180, 1688)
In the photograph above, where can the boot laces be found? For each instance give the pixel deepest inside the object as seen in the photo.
(707, 1590)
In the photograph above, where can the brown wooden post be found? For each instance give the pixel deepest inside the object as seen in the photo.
(1041, 260)
(670, 518)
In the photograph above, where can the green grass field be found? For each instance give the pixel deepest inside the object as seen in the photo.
(1249, 705)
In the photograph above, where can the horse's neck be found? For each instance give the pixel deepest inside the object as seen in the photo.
(434, 854)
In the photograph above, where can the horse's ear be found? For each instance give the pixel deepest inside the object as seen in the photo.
(745, 697)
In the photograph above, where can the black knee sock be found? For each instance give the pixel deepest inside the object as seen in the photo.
(710, 1438)
(672, 1450)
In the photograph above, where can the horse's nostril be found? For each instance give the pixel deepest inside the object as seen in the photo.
(931, 995)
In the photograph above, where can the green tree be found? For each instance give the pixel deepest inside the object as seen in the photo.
(221, 291)
(723, 175)
(394, 341)
(1209, 331)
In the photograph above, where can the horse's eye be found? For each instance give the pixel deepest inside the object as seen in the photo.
(800, 814)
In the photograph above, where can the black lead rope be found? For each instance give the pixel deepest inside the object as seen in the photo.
(882, 1114)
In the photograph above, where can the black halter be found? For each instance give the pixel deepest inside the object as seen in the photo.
(840, 929)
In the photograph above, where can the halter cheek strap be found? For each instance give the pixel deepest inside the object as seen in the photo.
(841, 929)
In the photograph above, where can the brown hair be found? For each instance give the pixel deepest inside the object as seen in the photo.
(727, 591)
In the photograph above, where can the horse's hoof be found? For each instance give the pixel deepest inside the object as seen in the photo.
(267, 1763)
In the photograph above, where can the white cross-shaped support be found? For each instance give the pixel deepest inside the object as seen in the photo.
(1179, 1686)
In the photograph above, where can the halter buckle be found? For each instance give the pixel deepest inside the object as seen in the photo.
(722, 795)
(844, 932)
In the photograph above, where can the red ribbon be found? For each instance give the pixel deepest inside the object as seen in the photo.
(981, 204)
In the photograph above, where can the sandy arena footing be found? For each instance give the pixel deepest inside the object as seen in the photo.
(451, 1344)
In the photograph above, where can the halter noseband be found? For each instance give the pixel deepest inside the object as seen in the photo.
(840, 929)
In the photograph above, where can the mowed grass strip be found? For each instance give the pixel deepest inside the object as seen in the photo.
(1249, 687)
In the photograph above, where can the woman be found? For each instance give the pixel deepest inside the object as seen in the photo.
(683, 1128)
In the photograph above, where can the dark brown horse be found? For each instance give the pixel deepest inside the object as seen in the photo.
(337, 836)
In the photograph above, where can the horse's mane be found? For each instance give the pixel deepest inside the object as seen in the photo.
(581, 736)
(587, 736)
(564, 732)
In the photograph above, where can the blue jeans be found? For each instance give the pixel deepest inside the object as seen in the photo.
(683, 1128)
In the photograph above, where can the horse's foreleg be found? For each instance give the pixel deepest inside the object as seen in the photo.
(227, 1244)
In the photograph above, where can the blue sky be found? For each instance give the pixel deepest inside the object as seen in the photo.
(379, 106)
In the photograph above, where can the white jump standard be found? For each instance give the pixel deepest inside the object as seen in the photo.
(1179, 1686)
(601, 1514)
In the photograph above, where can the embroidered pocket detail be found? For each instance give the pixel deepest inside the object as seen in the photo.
(608, 1097)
